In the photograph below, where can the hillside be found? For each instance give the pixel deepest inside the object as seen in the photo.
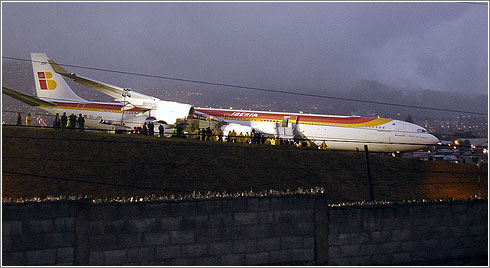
(44, 162)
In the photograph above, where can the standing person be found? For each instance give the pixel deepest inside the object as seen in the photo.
(73, 121)
(220, 134)
(203, 134)
(161, 129)
(56, 121)
(145, 129)
(151, 129)
(28, 119)
(19, 120)
(81, 122)
(180, 130)
(208, 133)
(241, 138)
(196, 134)
(64, 121)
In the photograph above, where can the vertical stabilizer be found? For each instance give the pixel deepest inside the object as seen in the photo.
(49, 84)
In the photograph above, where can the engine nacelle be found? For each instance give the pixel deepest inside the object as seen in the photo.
(237, 127)
(170, 111)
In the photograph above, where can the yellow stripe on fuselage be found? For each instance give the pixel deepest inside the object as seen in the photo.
(376, 122)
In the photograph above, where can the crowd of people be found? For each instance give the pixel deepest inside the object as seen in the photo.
(70, 122)
(73, 122)
(254, 137)
(63, 122)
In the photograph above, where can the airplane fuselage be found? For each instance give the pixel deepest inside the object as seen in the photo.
(338, 132)
(97, 112)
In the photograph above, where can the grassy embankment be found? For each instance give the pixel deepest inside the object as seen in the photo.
(166, 166)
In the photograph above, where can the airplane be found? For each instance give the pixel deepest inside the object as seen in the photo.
(338, 132)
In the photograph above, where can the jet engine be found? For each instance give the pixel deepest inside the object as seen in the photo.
(169, 111)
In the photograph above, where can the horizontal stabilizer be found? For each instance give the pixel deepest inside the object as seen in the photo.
(30, 100)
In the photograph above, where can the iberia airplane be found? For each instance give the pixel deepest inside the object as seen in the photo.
(338, 132)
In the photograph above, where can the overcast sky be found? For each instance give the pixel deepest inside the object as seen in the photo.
(285, 46)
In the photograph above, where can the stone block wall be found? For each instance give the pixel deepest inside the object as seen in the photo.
(249, 231)
(39, 233)
(403, 234)
(279, 230)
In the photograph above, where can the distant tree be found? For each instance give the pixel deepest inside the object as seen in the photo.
(409, 119)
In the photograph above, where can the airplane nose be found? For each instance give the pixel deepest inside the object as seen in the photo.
(433, 139)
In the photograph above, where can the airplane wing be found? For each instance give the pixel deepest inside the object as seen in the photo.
(134, 98)
(30, 100)
(208, 117)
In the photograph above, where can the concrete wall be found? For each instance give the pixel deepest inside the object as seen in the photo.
(403, 234)
(291, 230)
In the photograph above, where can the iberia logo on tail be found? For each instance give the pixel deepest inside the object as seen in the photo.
(45, 80)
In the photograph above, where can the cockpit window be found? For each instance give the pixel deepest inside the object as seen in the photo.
(421, 130)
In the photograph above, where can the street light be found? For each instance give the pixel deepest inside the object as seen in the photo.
(125, 93)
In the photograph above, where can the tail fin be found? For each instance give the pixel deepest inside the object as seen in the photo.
(49, 84)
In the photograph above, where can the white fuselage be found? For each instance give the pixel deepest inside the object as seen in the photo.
(338, 132)
(97, 112)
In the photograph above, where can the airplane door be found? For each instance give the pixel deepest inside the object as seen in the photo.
(285, 121)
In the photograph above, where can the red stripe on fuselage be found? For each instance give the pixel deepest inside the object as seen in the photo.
(91, 105)
(280, 116)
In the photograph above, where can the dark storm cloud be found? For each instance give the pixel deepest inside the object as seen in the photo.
(290, 46)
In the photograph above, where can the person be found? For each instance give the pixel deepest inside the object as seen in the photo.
(73, 121)
(209, 133)
(64, 121)
(81, 122)
(203, 134)
(247, 137)
(196, 134)
(174, 132)
(161, 129)
(268, 141)
(180, 130)
(220, 134)
(56, 121)
(151, 129)
(241, 138)
(233, 136)
(323, 146)
(213, 135)
(28, 119)
(145, 129)
(19, 120)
